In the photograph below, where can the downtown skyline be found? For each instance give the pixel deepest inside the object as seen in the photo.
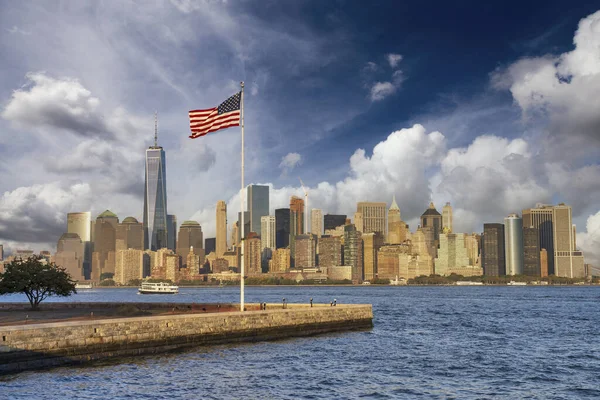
(504, 157)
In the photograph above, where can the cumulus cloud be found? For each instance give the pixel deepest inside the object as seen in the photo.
(289, 162)
(393, 59)
(561, 88)
(56, 103)
(37, 213)
(589, 241)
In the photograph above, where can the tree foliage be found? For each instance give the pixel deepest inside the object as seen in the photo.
(36, 279)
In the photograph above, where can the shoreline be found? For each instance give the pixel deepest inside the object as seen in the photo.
(348, 285)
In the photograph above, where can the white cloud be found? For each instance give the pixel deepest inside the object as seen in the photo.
(56, 103)
(589, 241)
(16, 29)
(393, 59)
(289, 162)
(381, 90)
(561, 88)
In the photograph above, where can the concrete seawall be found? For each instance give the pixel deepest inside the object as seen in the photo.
(34, 346)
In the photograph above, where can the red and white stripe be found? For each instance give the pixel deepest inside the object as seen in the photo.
(203, 122)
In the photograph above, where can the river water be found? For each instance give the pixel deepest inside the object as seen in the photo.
(427, 342)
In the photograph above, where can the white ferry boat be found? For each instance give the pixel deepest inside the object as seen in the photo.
(158, 288)
(513, 283)
(84, 286)
(468, 283)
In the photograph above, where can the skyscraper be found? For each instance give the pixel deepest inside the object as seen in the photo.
(431, 218)
(330, 251)
(556, 233)
(210, 245)
(155, 197)
(297, 215)
(396, 227)
(258, 205)
(282, 227)
(540, 218)
(332, 221)
(513, 244)
(130, 235)
(353, 252)
(221, 238)
(531, 252)
(172, 232)
(493, 250)
(305, 251)
(69, 255)
(190, 235)
(372, 242)
(374, 216)
(447, 218)
(453, 257)
(103, 257)
(267, 228)
(316, 222)
(81, 224)
(246, 225)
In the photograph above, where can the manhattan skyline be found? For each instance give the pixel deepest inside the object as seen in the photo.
(475, 137)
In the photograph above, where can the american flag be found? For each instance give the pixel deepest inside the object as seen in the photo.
(227, 114)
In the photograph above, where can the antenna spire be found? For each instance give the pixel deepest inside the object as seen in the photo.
(155, 128)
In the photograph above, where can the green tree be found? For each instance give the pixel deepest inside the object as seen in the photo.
(36, 279)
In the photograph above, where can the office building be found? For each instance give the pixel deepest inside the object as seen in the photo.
(171, 232)
(252, 254)
(297, 215)
(453, 257)
(372, 242)
(81, 224)
(316, 222)
(557, 236)
(431, 218)
(513, 244)
(221, 236)
(257, 205)
(282, 228)
(268, 236)
(397, 229)
(155, 197)
(447, 218)
(105, 239)
(353, 252)
(332, 221)
(1, 252)
(531, 252)
(280, 261)
(305, 251)
(210, 245)
(129, 266)
(374, 216)
(330, 251)
(358, 221)
(129, 235)
(246, 225)
(190, 236)
(70, 252)
(388, 260)
(493, 253)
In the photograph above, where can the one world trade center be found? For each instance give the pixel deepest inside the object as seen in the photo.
(155, 196)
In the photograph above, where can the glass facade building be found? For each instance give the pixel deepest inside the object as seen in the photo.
(155, 200)
(258, 205)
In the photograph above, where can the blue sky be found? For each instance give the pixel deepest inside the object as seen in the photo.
(490, 107)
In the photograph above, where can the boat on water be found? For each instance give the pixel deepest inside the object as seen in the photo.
(158, 288)
(468, 283)
(513, 283)
(84, 286)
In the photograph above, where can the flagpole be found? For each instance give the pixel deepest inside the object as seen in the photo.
(242, 228)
